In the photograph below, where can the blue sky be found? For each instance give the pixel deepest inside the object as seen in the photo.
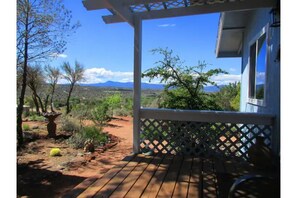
(106, 50)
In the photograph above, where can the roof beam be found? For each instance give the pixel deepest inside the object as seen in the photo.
(193, 10)
(96, 4)
(121, 11)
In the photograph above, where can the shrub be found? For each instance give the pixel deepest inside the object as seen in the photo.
(35, 117)
(70, 124)
(78, 139)
(99, 114)
(55, 152)
(26, 127)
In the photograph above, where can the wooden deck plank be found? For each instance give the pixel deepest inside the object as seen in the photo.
(130, 180)
(77, 190)
(112, 184)
(142, 182)
(170, 179)
(97, 185)
(209, 179)
(195, 179)
(153, 187)
(182, 184)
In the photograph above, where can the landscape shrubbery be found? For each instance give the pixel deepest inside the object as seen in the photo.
(78, 139)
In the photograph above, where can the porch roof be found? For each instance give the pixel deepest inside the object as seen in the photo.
(230, 33)
(127, 10)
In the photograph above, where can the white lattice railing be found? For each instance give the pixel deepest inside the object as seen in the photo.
(203, 133)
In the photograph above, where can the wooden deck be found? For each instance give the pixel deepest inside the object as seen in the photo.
(164, 176)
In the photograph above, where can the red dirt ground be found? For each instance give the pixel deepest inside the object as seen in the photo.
(39, 175)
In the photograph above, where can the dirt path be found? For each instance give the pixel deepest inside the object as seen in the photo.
(38, 174)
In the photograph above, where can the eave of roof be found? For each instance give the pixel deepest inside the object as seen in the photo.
(230, 33)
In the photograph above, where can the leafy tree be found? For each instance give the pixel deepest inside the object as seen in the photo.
(226, 97)
(42, 28)
(73, 75)
(53, 74)
(35, 81)
(113, 102)
(99, 114)
(184, 84)
(235, 102)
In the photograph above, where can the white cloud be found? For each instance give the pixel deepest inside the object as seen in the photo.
(99, 75)
(59, 55)
(167, 25)
(225, 79)
(232, 69)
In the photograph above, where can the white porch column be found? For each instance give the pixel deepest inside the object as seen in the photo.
(137, 83)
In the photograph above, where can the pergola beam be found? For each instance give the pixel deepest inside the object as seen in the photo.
(194, 10)
(121, 11)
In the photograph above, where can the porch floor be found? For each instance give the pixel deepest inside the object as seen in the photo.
(166, 176)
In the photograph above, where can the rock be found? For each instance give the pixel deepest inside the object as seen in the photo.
(35, 127)
(80, 154)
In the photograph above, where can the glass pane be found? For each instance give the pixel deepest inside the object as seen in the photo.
(261, 67)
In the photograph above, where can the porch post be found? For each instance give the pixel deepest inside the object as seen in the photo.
(137, 82)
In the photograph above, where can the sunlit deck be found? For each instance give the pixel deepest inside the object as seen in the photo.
(171, 176)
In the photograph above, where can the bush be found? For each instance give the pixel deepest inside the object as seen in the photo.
(26, 127)
(55, 152)
(70, 124)
(99, 114)
(35, 117)
(78, 139)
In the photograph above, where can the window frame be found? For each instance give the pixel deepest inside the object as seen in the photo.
(253, 68)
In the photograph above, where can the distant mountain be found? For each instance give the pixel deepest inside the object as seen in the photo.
(129, 85)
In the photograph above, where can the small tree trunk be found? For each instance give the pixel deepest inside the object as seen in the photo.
(36, 104)
(68, 99)
(41, 104)
(52, 96)
(46, 103)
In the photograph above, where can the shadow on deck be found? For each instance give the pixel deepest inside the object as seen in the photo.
(177, 176)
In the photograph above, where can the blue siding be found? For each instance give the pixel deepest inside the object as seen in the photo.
(259, 19)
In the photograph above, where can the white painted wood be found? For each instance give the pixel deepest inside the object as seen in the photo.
(137, 83)
(208, 116)
(96, 4)
(194, 10)
(122, 11)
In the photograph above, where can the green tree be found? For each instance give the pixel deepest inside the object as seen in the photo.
(73, 75)
(235, 102)
(42, 29)
(226, 97)
(114, 102)
(184, 84)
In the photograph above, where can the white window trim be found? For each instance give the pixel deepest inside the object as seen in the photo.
(254, 101)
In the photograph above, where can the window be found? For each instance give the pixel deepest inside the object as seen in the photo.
(258, 68)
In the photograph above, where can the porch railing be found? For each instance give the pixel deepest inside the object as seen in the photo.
(203, 133)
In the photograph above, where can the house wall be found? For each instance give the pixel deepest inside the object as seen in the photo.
(259, 19)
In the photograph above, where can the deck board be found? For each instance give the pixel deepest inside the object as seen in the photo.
(164, 176)
(153, 187)
(142, 182)
(182, 184)
(169, 182)
(130, 180)
(112, 184)
(195, 179)
(97, 185)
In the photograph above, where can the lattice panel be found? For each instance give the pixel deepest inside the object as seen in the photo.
(171, 4)
(201, 138)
